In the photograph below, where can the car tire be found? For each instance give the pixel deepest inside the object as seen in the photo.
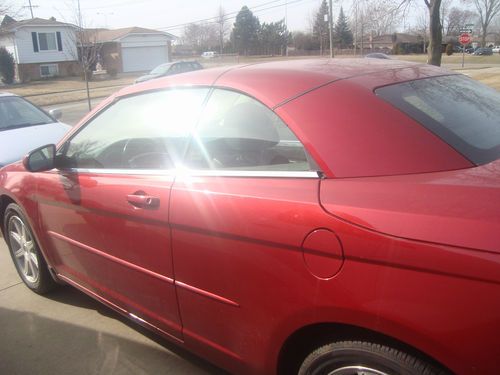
(359, 357)
(25, 252)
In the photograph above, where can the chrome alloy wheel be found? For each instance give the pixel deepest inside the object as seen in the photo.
(23, 248)
(356, 370)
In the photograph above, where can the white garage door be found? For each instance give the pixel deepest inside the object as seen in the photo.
(136, 59)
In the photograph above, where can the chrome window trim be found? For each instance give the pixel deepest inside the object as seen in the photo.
(200, 173)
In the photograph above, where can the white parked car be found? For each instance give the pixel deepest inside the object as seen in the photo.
(496, 49)
(24, 127)
(209, 54)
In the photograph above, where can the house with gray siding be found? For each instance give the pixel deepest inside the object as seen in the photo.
(41, 48)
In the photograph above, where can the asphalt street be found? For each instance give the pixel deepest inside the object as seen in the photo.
(74, 112)
(67, 332)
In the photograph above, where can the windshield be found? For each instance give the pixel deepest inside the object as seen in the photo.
(15, 112)
(462, 112)
(161, 69)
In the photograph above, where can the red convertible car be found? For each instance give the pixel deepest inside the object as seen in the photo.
(299, 217)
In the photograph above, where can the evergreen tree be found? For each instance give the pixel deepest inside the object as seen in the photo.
(342, 33)
(320, 27)
(7, 66)
(274, 37)
(245, 34)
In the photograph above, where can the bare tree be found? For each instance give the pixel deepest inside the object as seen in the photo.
(373, 17)
(422, 27)
(445, 10)
(487, 10)
(435, 28)
(435, 32)
(5, 8)
(495, 30)
(458, 18)
(8, 8)
(88, 47)
(201, 37)
(223, 27)
(380, 17)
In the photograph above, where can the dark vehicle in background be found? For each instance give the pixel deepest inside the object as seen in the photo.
(170, 69)
(311, 217)
(24, 126)
(483, 52)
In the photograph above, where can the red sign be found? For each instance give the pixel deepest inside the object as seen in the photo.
(464, 38)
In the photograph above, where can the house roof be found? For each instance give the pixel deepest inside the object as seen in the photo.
(105, 35)
(13, 25)
(394, 38)
(407, 38)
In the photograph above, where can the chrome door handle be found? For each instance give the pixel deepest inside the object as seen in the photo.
(143, 201)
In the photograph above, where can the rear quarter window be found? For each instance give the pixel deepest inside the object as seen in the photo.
(462, 112)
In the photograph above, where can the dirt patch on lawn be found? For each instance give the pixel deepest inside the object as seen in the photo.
(64, 90)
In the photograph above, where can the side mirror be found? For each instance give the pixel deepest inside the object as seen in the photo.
(40, 159)
(56, 113)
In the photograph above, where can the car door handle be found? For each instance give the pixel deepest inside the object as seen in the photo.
(143, 201)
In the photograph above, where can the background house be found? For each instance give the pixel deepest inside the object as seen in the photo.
(395, 43)
(41, 48)
(132, 49)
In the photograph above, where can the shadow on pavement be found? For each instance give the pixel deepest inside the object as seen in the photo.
(37, 345)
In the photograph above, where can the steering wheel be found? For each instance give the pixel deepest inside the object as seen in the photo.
(135, 147)
(150, 160)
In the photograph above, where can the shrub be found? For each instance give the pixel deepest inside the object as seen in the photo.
(399, 49)
(7, 66)
(449, 49)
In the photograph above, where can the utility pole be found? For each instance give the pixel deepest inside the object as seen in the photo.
(330, 26)
(356, 29)
(31, 8)
(84, 55)
(79, 16)
(286, 26)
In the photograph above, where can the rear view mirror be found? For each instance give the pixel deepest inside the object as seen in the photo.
(40, 159)
(56, 113)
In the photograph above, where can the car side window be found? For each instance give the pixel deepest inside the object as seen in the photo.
(145, 131)
(236, 132)
(175, 68)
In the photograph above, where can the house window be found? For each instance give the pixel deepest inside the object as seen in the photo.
(49, 70)
(47, 41)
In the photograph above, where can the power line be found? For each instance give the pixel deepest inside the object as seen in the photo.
(232, 14)
(31, 8)
(216, 17)
(259, 8)
(119, 4)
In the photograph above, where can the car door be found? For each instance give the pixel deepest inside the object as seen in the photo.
(239, 217)
(104, 211)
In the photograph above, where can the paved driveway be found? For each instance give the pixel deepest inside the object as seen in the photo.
(69, 333)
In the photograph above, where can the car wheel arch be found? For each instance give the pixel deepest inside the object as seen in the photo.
(5, 201)
(304, 340)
